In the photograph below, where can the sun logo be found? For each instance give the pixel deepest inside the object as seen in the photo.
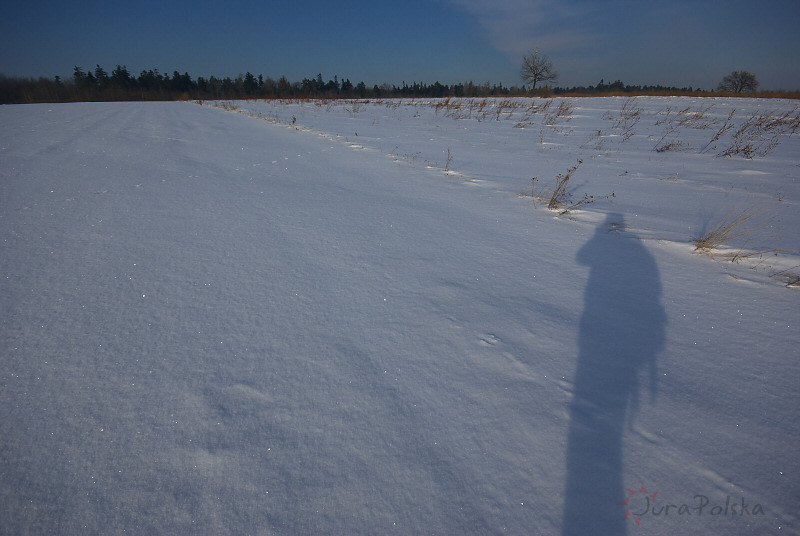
(632, 493)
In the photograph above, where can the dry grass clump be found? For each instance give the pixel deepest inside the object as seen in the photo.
(627, 118)
(354, 106)
(761, 133)
(479, 109)
(697, 119)
(669, 145)
(564, 111)
(728, 228)
(532, 110)
(528, 116)
(694, 118)
(790, 277)
(228, 106)
(561, 198)
(560, 194)
(756, 136)
(726, 126)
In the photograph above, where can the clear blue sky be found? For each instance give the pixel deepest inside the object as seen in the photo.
(674, 42)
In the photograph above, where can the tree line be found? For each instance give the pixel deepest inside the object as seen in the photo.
(120, 85)
(619, 86)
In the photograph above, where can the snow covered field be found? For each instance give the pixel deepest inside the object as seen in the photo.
(307, 318)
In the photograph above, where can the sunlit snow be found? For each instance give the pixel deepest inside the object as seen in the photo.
(352, 317)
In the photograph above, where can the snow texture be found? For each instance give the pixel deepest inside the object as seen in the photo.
(354, 318)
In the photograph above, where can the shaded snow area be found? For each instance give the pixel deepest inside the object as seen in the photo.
(307, 318)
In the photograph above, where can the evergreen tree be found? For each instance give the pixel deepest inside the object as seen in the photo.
(249, 84)
(284, 88)
(100, 76)
(78, 75)
(120, 77)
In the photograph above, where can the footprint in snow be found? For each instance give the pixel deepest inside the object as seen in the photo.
(488, 339)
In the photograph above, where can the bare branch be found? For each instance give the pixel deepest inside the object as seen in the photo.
(536, 68)
(738, 82)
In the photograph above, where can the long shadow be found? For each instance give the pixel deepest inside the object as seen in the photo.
(621, 334)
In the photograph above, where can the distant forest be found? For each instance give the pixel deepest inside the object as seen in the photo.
(121, 85)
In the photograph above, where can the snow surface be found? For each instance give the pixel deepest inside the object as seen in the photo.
(318, 323)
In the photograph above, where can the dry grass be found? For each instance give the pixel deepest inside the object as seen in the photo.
(699, 118)
(561, 199)
(556, 117)
(532, 110)
(629, 115)
(560, 195)
(791, 277)
(726, 126)
(670, 145)
(480, 109)
(732, 226)
(762, 132)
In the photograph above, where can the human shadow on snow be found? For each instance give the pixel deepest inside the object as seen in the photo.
(621, 334)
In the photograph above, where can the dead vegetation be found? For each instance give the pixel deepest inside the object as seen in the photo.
(726, 126)
(790, 277)
(756, 136)
(623, 123)
(734, 224)
(559, 198)
(700, 118)
(761, 133)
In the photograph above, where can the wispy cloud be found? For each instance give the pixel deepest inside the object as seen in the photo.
(516, 26)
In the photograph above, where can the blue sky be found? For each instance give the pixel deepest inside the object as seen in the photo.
(677, 42)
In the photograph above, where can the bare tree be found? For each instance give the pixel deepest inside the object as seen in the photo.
(738, 82)
(537, 68)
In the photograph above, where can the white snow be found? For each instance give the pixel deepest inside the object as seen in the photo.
(304, 318)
